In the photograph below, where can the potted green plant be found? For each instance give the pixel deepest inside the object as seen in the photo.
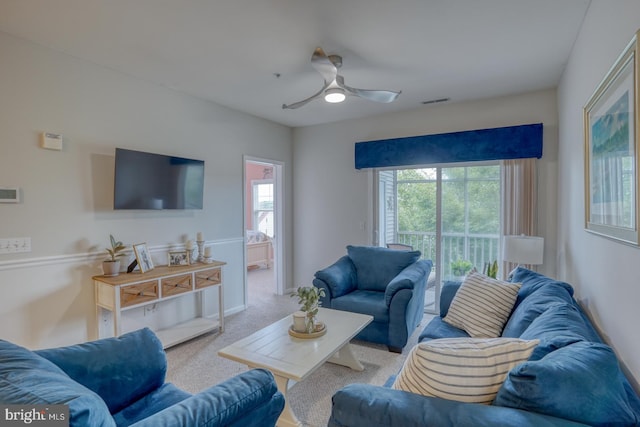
(492, 269)
(461, 267)
(309, 298)
(111, 266)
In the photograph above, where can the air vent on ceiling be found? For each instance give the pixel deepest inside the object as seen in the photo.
(436, 101)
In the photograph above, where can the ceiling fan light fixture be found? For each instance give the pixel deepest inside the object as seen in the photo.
(334, 95)
(334, 89)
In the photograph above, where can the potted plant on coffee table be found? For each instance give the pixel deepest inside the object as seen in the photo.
(111, 266)
(309, 298)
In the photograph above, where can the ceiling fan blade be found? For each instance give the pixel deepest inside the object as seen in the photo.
(374, 95)
(321, 62)
(385, 96)
(304, 101)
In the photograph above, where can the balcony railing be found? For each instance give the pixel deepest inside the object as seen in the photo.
(477, 248)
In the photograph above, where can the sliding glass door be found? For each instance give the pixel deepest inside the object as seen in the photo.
(450, 214)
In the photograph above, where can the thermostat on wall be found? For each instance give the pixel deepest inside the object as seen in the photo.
(51, 141)
(9, 195)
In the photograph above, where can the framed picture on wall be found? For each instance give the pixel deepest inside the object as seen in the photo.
(611, 151)
(143, 257)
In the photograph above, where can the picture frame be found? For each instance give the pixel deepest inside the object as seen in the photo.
(178, 258)
(611, 151)
(143, 257)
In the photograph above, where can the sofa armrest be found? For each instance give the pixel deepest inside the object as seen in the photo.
(448, 291)
(248, 399)
(413, 276)
(120, 370)
(338, 279)
(365, 405)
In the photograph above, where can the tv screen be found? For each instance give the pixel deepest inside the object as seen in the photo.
(155, 181)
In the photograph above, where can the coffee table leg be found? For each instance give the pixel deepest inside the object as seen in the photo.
(345, 357)
(287, 417)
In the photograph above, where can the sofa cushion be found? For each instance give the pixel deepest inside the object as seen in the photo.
(376, 266)
(533, 306)
(130, 366)
(364, 302)
(462, 369)
(482, 306)
(532, 281)
(438, 328)
(26, 378)
(448, 291)
(580, 382)
(560, 325)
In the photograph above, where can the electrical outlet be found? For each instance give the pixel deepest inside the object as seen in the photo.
(150, 309)
(15, 244)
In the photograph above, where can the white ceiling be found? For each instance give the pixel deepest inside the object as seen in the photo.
(229, 51)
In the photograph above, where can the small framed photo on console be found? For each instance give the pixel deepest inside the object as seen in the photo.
(178, 258)
(142, 256)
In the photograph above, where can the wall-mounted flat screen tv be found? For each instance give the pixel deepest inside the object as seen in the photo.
(156, 181)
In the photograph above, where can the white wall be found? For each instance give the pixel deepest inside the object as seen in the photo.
(67, 204)
(333, 200)
(603, 271)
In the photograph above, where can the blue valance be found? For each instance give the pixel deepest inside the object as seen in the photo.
(513, 142)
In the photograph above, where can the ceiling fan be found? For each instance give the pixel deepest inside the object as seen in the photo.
(334, 90)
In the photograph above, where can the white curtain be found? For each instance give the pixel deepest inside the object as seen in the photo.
(519, 200)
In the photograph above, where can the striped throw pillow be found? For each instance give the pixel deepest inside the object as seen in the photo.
(462, 369)
(482, 306)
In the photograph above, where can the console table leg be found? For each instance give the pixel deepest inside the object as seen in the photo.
(287, 418)
(221, 308)
(345, 357)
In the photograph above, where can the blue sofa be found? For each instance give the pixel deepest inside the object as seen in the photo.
(571, 379)
(121, 382)
(384, 283)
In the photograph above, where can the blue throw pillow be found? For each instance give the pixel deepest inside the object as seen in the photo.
(532, 281)
(533, 306)
(581, 382)
(376, 266)
(28, 379)
(560, 325)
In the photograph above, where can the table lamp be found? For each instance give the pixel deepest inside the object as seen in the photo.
(528, 250)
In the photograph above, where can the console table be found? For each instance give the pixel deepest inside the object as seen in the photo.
(116, 294)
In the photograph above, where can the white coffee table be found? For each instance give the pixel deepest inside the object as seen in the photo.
(290, 358)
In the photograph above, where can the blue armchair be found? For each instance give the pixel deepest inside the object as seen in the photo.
(120, 382)
(384, 283)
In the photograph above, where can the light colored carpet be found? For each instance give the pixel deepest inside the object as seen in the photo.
(195, 365)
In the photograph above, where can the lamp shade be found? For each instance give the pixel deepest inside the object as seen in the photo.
(523, 249)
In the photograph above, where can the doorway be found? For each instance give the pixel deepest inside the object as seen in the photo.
(263, 220)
